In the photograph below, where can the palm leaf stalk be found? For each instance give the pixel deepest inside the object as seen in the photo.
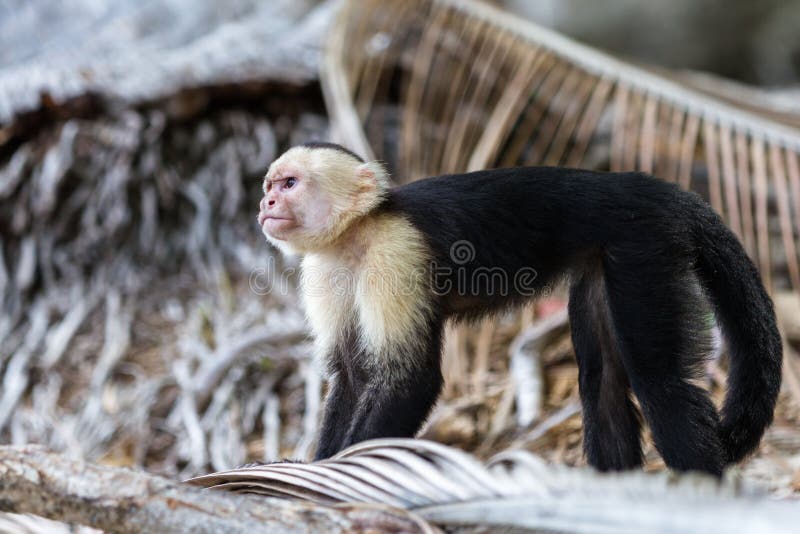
(439, 86)
(449, 488)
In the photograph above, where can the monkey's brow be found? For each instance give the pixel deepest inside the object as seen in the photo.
(268, 183)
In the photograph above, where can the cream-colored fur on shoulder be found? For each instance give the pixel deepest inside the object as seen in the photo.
(328, 301)
(393, 292)
(376, 280)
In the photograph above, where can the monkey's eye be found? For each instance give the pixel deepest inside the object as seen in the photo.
(289, 183)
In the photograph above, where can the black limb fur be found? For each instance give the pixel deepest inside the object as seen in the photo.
(611, 425)
(368, 400)
(340, 406)
(659, 323)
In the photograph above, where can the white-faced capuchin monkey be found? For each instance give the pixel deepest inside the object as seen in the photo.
(385, 267)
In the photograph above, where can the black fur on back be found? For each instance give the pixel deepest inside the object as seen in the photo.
(637, 251)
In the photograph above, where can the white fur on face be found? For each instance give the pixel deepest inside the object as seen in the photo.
(333, 190)
(302, 211)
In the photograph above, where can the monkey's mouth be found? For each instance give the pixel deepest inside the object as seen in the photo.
(273, 224)
(263, 217)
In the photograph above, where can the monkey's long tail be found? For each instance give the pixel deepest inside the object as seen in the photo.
(747, 319)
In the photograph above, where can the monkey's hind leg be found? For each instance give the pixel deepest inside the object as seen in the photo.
(611, 425)
(660, 328)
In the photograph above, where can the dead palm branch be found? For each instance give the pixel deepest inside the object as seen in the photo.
(437, 86)
(450, 488)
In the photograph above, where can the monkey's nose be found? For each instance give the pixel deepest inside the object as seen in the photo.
(270, 202)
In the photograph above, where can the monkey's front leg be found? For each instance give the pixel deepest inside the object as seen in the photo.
(340, 403)
(387, 404)
(394, 405)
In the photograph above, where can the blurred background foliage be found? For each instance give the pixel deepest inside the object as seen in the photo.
(753, 42)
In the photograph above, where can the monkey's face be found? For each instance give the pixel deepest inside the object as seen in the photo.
(294, 206)
(311, 196)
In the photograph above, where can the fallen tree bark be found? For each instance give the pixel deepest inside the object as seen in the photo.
(36, 481)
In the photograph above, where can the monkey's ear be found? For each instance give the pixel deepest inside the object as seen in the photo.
(366, 174)
(372, 175)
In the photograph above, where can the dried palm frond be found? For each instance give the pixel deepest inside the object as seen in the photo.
(448, 487)
(31, 524)
(441, 86)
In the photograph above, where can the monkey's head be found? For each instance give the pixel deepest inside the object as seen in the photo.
(314, 192)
